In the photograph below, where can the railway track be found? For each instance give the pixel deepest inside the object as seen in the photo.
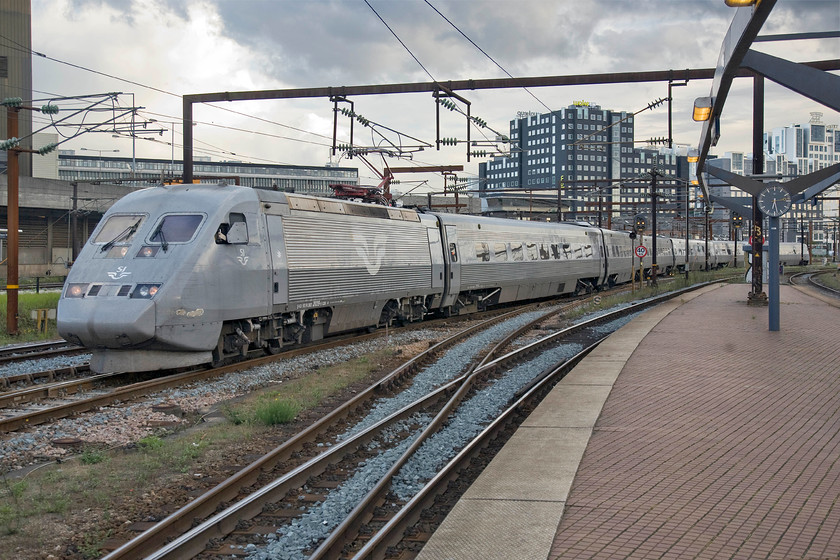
(23, 352)
(301, 477)
(60, 397)
(814, 280)
(811, 279)
(49, 375)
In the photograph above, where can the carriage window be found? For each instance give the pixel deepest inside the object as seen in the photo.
(176, 228)
(555, 251)
(543, 252)
(532, 251)
(516, 251)
(567, 250)
(500, 251)
(119, 229)
(482, 252)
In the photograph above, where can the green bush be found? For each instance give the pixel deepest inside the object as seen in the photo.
(276, 411)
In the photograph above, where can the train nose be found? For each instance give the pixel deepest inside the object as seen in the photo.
(122, 324)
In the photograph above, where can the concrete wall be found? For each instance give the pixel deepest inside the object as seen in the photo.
(45, 206)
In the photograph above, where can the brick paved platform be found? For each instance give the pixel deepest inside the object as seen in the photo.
(718, 439)
(726, 448)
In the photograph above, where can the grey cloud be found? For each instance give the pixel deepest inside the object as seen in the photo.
(345, 41)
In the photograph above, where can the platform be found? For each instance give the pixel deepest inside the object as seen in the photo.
(692, 432)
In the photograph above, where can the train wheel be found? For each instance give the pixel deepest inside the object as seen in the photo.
(273, 347)
(216, 359)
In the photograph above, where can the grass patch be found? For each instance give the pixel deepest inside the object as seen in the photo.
(282, 404)
(832, 279)
(268, 410)
(276, 411)
(92, 456)
(27, 328)
(99, 481)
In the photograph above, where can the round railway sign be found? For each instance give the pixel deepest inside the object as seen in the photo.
(641, 251)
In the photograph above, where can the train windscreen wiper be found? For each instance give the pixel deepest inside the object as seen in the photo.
(127, 232)
(159, 233)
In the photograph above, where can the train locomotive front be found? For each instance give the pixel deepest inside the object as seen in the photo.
(149, 291)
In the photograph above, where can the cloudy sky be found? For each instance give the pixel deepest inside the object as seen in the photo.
(158, 50)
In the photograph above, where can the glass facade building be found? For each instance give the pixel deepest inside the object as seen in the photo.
(590, 154)
(291, 178)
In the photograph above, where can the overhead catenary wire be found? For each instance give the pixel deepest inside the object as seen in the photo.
(397, 37)
(21, 48)
(473, 120)
(485, 54)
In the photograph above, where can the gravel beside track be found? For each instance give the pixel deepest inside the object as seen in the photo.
(472, 416)
(122, 425)
(43, 364)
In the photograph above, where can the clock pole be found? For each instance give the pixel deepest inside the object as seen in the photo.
(773, 277)
(757, 296)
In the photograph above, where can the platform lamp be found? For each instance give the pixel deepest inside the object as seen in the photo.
(739, 3)
(693, 158)
(702, 109)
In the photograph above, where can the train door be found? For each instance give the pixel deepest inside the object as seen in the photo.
(279, 268)
(452, 279)
(600, 254)
(436, 253)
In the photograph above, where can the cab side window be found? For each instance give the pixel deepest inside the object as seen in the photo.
(233, 232)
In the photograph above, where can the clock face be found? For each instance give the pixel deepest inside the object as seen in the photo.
(774, 201)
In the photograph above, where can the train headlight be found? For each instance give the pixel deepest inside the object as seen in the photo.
(145, 291)
(76, 290)
(148, 251)
(117, 252)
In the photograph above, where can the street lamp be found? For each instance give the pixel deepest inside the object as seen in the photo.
(100, 152)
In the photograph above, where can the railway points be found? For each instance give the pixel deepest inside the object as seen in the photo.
(722, 449)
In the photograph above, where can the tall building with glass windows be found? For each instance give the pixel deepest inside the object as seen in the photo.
(589, 153)
(797, 150)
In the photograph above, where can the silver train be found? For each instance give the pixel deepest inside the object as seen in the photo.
(181, 275)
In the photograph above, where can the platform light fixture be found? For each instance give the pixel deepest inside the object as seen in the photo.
(702, 109)
(739, 3)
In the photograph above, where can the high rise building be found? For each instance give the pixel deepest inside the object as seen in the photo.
(799, 149)
(589, 153)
